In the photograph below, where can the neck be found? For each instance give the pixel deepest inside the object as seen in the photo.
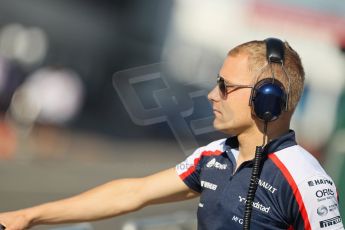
(251, 138)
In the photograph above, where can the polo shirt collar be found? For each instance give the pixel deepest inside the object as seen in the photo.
(282, 142)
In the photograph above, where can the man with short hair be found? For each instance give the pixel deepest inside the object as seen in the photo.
(293, 191)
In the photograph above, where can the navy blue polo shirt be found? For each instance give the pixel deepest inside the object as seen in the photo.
(294, 191)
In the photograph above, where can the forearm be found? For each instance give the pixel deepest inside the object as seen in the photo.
(108, 200)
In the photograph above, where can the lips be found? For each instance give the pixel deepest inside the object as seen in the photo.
(216, 111)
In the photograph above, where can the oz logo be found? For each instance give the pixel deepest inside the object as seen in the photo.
(172, 103)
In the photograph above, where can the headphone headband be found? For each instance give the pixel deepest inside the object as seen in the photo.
(274, 50)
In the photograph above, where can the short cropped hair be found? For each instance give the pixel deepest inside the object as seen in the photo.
(256, 51)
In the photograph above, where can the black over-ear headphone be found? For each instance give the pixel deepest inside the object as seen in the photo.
(269, 98)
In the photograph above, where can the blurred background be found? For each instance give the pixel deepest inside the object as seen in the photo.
(94, 91)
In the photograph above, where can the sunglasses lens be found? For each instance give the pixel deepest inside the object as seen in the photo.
(222, 87)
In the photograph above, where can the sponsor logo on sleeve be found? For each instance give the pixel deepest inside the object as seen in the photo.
(316, 182)
(324, 194)
(333, 207)
(322, 210)
(330, 222)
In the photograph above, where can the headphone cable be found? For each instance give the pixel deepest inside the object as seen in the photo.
(254, 180)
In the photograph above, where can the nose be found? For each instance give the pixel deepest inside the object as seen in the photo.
(213, 95)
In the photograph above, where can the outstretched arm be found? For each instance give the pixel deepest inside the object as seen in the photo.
(111, 199)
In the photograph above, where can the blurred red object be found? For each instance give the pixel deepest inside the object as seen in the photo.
(8, 141)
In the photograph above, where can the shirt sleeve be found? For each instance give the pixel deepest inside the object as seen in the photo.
(318, 205)
(189, 170)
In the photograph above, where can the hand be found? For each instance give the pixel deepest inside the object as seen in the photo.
(17, 220)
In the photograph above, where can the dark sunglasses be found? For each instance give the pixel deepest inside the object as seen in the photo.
(223, 86)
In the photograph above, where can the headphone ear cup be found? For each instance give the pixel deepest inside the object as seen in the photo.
(268, 99)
